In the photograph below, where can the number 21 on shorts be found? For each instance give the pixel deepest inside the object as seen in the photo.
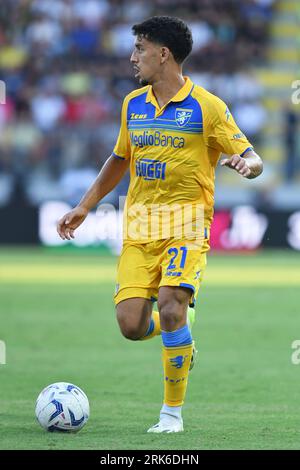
(177, 256)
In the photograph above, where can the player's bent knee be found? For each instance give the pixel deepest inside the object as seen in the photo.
(172, 305)
(132, 334)
(129, 328)
(171, 318)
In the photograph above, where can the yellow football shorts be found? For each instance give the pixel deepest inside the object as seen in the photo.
(144, 268)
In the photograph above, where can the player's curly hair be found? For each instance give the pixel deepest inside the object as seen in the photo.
(167, 31)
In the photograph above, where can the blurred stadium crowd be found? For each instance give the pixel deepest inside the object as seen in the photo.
(65, 64)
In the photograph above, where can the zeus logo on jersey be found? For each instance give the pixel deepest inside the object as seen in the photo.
(150, 169)
(183, 116)
(138, 116)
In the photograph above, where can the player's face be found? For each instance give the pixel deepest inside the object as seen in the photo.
(146, 60)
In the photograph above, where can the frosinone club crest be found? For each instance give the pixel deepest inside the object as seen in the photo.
(183, 116)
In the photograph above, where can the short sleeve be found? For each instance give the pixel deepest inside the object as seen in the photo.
(122, 148)
(224, 134)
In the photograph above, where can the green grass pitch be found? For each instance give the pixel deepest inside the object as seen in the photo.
(58, 324)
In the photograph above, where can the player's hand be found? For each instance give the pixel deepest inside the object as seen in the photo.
(70, 221)
(237, 163)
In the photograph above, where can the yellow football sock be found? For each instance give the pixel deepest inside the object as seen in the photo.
(154, 328)
(176, 364)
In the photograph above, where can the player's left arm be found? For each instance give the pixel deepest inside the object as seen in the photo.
(250, 165)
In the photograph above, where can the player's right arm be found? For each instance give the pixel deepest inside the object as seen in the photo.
(110, 175)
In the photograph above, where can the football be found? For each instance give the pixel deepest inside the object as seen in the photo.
(62, 406)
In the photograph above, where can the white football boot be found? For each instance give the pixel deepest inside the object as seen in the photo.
(167, 424)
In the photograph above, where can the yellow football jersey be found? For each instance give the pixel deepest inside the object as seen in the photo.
(173, 154)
